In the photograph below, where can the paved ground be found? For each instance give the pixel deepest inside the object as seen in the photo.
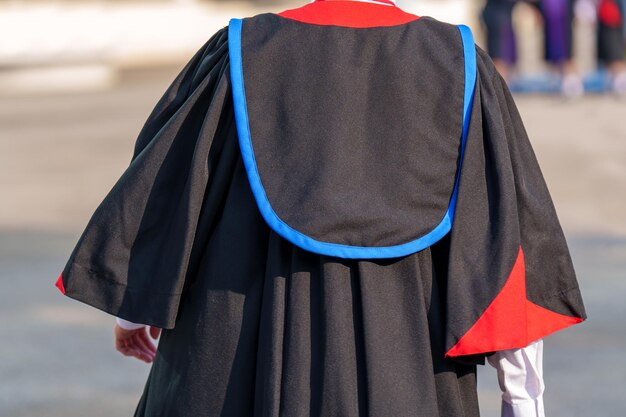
(59, 155)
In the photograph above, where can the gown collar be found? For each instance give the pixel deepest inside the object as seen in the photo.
(350, 13)
(385, 2)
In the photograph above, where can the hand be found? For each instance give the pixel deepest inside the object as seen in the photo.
(136, 342)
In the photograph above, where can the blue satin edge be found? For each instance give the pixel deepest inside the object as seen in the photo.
(299, 239)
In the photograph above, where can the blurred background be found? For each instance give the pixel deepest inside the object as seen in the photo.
(78, 79)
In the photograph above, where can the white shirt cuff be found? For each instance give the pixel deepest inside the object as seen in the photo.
(520, 375)
(128, 325)
(529, 408)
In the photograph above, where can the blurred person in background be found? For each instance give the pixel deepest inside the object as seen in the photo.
(558, 20)
(497, 17)
(611, 45)
(331, 211)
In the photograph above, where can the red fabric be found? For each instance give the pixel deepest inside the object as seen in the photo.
(59, 284)
(349, 13)
(542, 322)
(378, 1)
(609, 13)
(511, 320)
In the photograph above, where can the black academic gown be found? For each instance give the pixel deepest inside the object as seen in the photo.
(354, 139)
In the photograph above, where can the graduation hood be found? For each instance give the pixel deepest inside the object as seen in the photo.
(353, 138)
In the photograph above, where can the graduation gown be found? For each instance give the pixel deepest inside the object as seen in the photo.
(331, 211)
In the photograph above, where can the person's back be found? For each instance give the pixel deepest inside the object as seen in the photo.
(332, 211)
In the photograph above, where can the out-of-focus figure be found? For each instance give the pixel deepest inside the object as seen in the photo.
(558, 17)
(497, 17)
(611, 43)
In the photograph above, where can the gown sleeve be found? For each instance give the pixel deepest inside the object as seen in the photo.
(510, 278)
(136, 251)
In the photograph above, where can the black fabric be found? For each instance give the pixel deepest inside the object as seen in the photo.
(357, 139)
(134, 254)
(503, 204)
(255, 326)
